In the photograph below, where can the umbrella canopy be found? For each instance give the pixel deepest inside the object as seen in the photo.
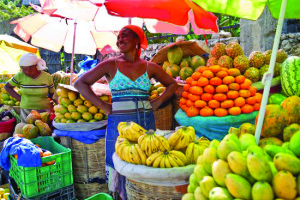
(11, 49)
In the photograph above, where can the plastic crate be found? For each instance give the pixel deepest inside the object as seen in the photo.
(34, 181)
(100, 196)
(65, 193)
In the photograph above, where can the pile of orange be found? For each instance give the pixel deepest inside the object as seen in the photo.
(218, 91)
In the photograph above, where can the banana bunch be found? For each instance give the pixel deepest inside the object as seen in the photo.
(167, 159)
(130, 152)
(151, 143)
(130, 130)
(181, 138)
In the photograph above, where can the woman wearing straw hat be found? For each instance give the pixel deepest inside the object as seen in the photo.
(36, 85)
(129, 82)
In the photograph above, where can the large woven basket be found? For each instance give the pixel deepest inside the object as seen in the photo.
(175, 103)
(163, 118)
(142, 191)
(84, 191)
(88, 160)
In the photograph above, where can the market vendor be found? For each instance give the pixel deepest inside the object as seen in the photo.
(129, 82)
(36, 86)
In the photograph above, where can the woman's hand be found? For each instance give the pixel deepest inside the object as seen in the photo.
(155, 103)
(107, 108)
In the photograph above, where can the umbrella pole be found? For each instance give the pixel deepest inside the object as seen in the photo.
(267, 78)
(73, 50)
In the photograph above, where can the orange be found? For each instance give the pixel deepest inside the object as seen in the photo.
(220, 112)
(222, 74)
(248, 81)
(196, 90)
(251, 100)
(214, 104)
(215, 81)
(214, 68)
(244, 86)
(220, 97)
(240, 79)
(228, 79)
(258, 97)
(182, 101)
(244, 93)
(200, 104)
(196, 76)
(234, 86)
(227, 104)
(208, 74)
(185, 94)
(206, 96)
(256, 106)
(231, 94)
(247, 108)
(192, 111)
(194, 83)
(239, 102)
(189, 103)
(234, 111)
(193, 97)
(186, 87)
(222, 89)
(233, 72)
(203, 81)
(209, 89)
(252, 90)
(202, 69)
(206, 111)
(189, 80)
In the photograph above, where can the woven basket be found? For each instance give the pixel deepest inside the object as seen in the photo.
(163, 118)
(88, 160)
(84, 191)
(139, 191)
(175, 102)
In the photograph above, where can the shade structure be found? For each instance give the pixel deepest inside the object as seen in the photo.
(252, 9)
(11, 49)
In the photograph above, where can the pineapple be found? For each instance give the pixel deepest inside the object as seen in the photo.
(225, 61)
(263, 70)
(252, 73)
(257, 59)
(218, 50)
(268, 54)
(241, 62)
(212, 61)
(233, 49)
(281, 56)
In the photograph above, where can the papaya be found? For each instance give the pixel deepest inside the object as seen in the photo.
(184, 63)
(45, 117)
(262, 190)
(175, 54)
(207, 184)
(29, 131)
(220, 169)
(19, 127)
(269, 140)
(200, 172)
(209, 157)
(188, 196)
(220, 193)
(272, 150)
(165, 65)
(44, 129)
(238, 186)
(34, 115)
(259, 167)
(247, 140)
(284, 185)
(226, 146)
(289, 131)
(295, 143)
(197, 61)
(292, 106)
(199, 195)
(284, 161)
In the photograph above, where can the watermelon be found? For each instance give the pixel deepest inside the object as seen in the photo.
(290, 76)
(185, 72)
(173, 70)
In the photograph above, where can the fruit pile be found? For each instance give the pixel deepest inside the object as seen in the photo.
(5, 77)
(253, 67)
(36, 124)
(290, 76)
(63, 78)
(4, 193)
(6, 99)
(139, 146)
(218, 91)
(156, 90)
(179, 66)
(74, 108)
(238, 168)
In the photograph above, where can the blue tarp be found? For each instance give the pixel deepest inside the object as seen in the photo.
(214, 127)
(86, 137)
(28, 153)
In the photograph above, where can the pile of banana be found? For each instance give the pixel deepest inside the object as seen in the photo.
(139, 146)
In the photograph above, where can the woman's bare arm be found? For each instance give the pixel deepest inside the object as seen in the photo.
(10, 89)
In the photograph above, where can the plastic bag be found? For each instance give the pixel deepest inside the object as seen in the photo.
(86, 64)
(214, 127)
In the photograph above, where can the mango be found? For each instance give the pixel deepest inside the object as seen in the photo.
(78, 102)
(233, 130)
(72, 95)
(87, 116)
(200, 160)
(81, 120)
(247, 140)
(284, 161)
(269, 140)
(298, 184)
(220, 193)
(66, 102)
(295, 143)
(289, 131)
(193, 180)
(191, 188)
(273, 168)
(286, 145)
(72, 108)
(198, 194)
(200, 172)
(238, 186)
(64, 92)
(214, 144)
(188, 196)
(234, 138)
(82, 109)
(225, 147)
(262, 190)
(207, 184)
(209, 157)
(284, 185)
(247, 128)
(272, 150)
(88, 104)
(259, 167)
(75, 115)
(70, 121)
(67, 115)
(220, 169)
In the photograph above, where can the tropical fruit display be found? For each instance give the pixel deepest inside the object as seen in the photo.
(220, 92)
(36, 125)
(290, 76)
(63, 78)
(5, 97)
(74, 108)
(237, 168)
(4, 193)
(179, 66)
(151, 149)
(156, 90)
(5, 77)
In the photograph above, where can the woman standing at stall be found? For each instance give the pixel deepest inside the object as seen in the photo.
(36, 85)
(129, 82)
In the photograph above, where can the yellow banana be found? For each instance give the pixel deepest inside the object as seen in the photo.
(153, 157)
(131, 156)
(134, 136)
(136, 157)
(181, 143)
(119, 149)
(180, 155)
(172, 161)
(155, 144)
(164, 144)
(148, 146)
(120, 126)
(157, 161)
(174, 138)
(141, 154)
(162, 162)
(144, 143)
(196, 153)
(136, 127)
(189, 152)
(141, 139)
(125, 153)
(177, 160)
(167, 161)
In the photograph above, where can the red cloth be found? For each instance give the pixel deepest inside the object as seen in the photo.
(143, 39)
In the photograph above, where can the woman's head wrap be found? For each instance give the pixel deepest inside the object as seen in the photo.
(30, 59)
(143, 39)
